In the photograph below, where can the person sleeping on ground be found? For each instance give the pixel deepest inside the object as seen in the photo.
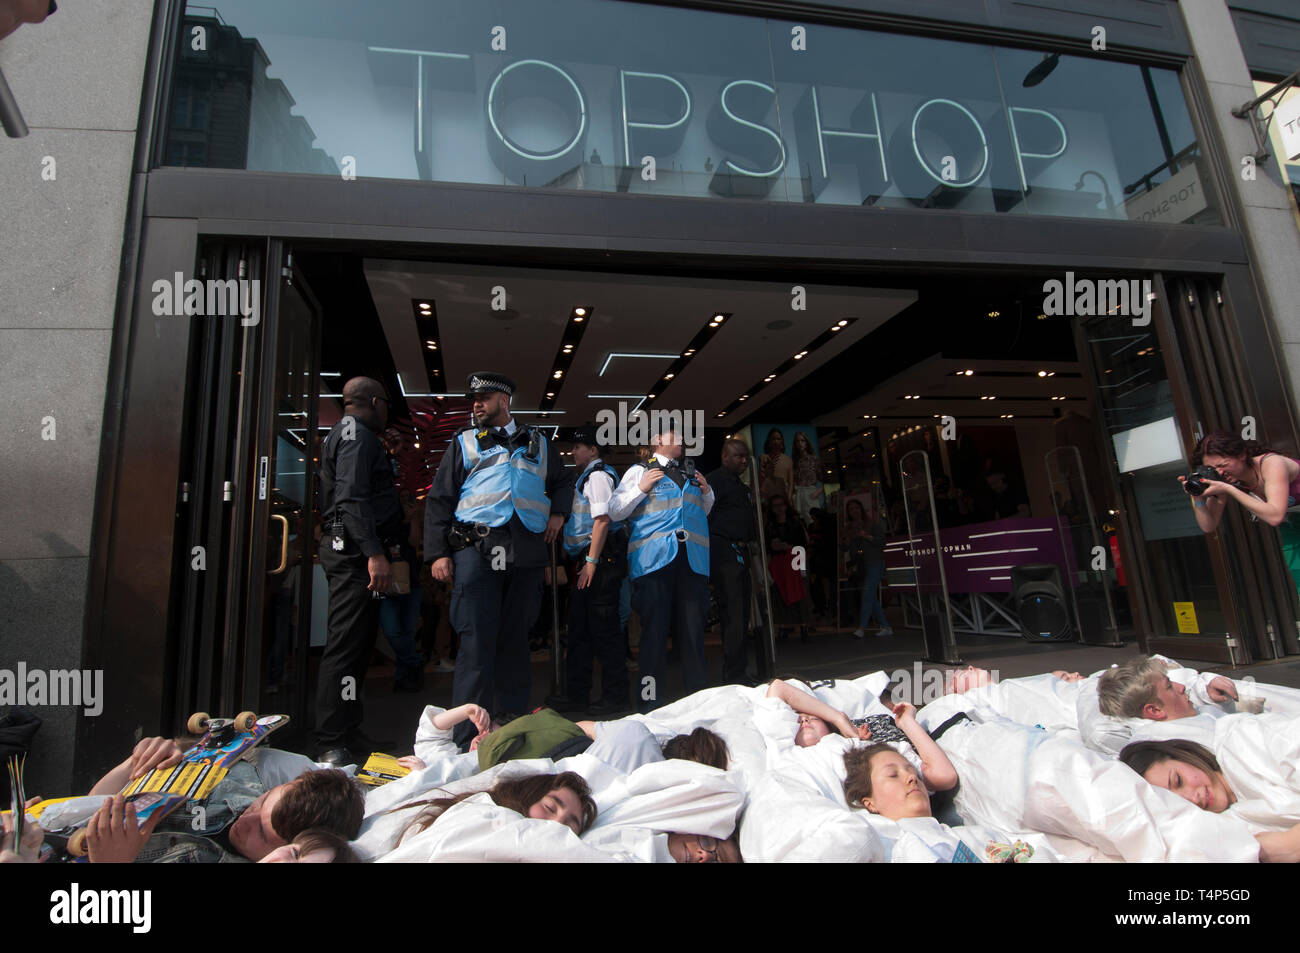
(316, 845)
(1048, 700)
(624, 745)
(564, 798)
(1192, 772)
(1152, 698)
(883, 783)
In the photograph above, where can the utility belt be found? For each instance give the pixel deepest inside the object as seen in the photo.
(482, 537)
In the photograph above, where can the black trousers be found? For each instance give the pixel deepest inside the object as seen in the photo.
(492, 611)
(595, 630)
(729, 573)
(353, 627)
(674, 598)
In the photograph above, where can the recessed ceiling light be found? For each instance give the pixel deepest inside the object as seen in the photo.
(995, 314)
(550, 393)
(669, 377)
(719, 318)
(558, 374)
(843, 323)
(1047, 373)
(580, 312)
(689, 353)
(835, 327)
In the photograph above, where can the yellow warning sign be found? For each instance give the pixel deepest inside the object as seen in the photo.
(1185, 613)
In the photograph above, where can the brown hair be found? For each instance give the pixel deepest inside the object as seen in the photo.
(857, 762)
(701, 745)
(517, 794)
(1123, 691)
(327, 798)
(1142, 755)
(318, 838)
(1222, 443)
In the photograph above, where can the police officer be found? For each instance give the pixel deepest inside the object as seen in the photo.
(361, 518)
(500, 497)
(668, 560)
(598, 548)
(731, 529)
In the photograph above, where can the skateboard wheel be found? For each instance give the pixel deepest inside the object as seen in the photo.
(77, 843)
(198, 723)
(245, 721)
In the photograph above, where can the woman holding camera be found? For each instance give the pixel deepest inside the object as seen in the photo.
(1262, 480)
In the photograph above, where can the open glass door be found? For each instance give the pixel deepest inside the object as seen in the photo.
(248, 495)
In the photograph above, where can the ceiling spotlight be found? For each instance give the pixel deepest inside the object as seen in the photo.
(836, 327)
(568, 348)
(1042, 317)
(580, 312)
(669, 377)
(558, 374)
(550, 393)
(769, 378)
(417, 445)
(431, 347)
(577, 319)
(995, 314)
(843, 324)
(801, 355)
(721, 415)
(650, 396)
(1047, 373)
(719, 317)
(968, 373)
(689, 353)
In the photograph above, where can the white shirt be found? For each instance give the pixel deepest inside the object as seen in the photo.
(598, 489)
(629, 493)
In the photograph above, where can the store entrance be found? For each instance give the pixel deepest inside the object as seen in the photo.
(1051, 446)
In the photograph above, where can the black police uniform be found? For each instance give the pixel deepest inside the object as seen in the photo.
(731, 528)
(361, 517)
(594, 625)
(491, 609)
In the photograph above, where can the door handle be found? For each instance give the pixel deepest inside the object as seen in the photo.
(284, 545)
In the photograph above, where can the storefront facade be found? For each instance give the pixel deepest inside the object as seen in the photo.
(813, 146)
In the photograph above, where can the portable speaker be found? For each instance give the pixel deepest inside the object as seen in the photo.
(1041, 603)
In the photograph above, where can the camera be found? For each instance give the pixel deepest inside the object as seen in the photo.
(1196, 482)
(688, 467)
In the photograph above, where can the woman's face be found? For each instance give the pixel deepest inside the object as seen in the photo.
(775, 442)
(1232, 468)
(1065, 676)
(811, 730)
(562, 805)
(292, 854)
(856, 513)
(896, 791)
(1209, 792)
(802, 443)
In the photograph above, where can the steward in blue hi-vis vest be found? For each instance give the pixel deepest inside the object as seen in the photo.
(667, 517)
(499, 482)
(577, 530)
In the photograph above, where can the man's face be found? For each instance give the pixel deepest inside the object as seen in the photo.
(734, 459)
(697, 849)
(491, 409)
(252, 834)
(1171, 701)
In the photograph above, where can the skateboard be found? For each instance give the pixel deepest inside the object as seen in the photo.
(224, 742)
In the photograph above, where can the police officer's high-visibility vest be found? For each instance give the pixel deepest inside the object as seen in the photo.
(500, 482)
(578, 527)
(655, 523)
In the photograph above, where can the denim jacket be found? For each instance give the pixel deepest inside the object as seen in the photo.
(185, 837)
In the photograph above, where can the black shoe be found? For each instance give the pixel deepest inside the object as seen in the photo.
(339, 757)
(601, 708)
(564, 703)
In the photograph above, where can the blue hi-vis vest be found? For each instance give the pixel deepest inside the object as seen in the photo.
(577, 529)
(500, 482)
(655, 523)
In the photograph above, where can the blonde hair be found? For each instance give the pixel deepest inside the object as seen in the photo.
(1125, 690)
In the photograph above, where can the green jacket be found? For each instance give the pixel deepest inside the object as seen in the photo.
(531, 736)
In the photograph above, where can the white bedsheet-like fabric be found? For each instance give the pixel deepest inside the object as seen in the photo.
(1076, 793)
(1043, 700)
(1260, 758)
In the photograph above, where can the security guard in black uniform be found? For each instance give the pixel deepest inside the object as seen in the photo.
(731, 530)
(500, 497)
(597, 548)
(361, 519)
